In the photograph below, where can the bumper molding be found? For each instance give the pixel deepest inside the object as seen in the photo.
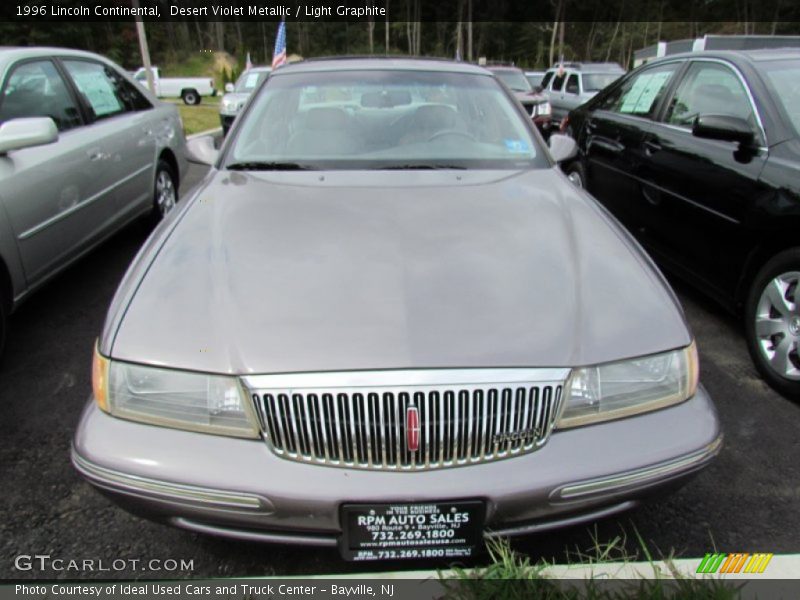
(133, 485)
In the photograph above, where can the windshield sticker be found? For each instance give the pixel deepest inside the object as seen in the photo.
(517, 146)
(644, 91)
(98, 91)
(251, 81)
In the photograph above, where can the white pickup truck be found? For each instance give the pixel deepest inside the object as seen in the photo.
(189, 89)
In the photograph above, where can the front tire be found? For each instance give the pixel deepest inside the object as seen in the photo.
(165, 190)
(576, 173)
(772, 322)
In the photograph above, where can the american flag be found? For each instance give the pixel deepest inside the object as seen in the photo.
(279, 54)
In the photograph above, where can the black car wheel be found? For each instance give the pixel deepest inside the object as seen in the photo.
(772, 325)
(576, 173)
(190, 97)
(165, 190)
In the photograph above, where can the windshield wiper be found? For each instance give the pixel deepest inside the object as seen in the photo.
(433, 166)
(267, 166)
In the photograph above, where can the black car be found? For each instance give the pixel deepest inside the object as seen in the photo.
(699, 156)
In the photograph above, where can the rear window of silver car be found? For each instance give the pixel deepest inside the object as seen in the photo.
(385, 119)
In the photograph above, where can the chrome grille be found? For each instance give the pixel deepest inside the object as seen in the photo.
(359, 420)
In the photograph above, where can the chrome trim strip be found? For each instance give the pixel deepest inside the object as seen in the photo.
(253, 535)
(173, 492)
(563, 522)
(640, 477)
(403, 378)
(64, 214)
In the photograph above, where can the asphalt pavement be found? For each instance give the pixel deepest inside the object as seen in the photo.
(745, 502)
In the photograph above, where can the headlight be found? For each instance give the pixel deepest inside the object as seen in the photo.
(181, 399)
(620, 389)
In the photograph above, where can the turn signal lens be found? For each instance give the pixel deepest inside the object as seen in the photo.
(100, 379)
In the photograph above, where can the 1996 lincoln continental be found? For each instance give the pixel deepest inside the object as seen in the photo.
(386, 321)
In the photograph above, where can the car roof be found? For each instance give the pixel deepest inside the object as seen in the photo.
(749, 56)
(373, 63)
(589, 67)
(15, 52)
(259, 69)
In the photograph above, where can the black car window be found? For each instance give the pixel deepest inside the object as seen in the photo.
(546, 79)
(105, 91)
(709, 88)
(641, 93)
(35, 89)
(572, 84)
(558, 82)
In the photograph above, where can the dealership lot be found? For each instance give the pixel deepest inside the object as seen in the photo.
(746, 501)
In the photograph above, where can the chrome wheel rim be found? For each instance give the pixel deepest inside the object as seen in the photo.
(165, 193)
(777, 324)
(576, 179)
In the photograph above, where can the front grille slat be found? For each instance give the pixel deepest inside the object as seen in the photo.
(367, 427)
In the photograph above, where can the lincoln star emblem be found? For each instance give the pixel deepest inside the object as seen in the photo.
(412, 428)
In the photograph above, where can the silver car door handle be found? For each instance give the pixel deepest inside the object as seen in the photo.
(95, 155)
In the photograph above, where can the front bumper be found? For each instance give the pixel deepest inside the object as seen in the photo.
(239, 488)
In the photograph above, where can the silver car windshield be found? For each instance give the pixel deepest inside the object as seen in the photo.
(249, 81)
(515, 80)
(383, 119)
(594, 82)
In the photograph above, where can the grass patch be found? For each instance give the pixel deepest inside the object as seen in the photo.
(512, 576)
(199, 118)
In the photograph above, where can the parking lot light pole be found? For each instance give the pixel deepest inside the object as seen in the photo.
(144, 49)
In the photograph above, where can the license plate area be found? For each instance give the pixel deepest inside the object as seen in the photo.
(403, 530)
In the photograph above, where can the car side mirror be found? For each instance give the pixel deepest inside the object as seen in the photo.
(17, 134)
(562, 147)
(202, 150)
(723, 127)
(229, 88)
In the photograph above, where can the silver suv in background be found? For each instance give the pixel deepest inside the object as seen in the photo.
(569, 85)
(236, 95)
(84, 150)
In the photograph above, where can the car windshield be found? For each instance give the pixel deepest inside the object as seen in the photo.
(535, 79)
(784, 79)
(515, 80)
(383, 119)
(249, 81)
(594, 82)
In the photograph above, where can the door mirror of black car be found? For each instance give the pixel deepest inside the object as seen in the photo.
(723, 127)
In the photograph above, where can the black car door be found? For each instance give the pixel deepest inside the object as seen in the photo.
(614, 130)
(697, 190)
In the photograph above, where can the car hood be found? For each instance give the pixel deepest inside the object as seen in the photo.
(530, 97)
(286, 272)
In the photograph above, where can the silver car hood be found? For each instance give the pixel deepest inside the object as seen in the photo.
(308, 271)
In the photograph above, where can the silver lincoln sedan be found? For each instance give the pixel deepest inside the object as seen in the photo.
(386, 321)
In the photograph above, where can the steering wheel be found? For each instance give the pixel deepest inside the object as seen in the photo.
(457, 132)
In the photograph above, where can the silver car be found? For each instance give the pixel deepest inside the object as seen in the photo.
(571, 84)
(233, 101)
(386, 321)
(83, 151)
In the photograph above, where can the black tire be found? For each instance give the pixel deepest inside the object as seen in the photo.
(190, 97)
(164, 182)
(576, 173)
(225, 129)
(774, 344)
